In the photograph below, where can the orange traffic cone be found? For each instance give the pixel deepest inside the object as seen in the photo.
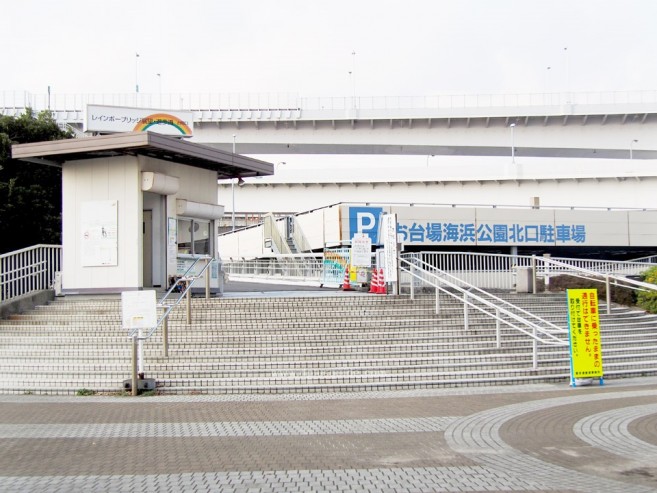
(382, 283)
(346, 286)
(374, 282)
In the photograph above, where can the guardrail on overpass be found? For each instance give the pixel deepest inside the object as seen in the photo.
(293, 106)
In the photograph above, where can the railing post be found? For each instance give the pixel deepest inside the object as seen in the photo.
(437, 301)
(534, 350)
(534, 274)
(207, 278)
(498, 334)
(189, 306)
(466, 322)
(608, 293)
(140, 354)
(134, 364)
(412, 279)
(165, 337)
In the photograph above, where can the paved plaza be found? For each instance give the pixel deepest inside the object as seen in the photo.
(523, 438)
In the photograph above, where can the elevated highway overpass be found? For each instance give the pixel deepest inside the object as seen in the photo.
(616, 125)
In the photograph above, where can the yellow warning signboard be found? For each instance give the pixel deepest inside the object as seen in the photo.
(585, 342)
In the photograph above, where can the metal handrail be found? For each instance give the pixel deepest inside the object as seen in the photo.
(485, 297)
(28, 270)
(138, 338)
(539, 330)
(602, 276)
(184, 280)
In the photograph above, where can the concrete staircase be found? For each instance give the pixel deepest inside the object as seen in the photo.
(344, 342)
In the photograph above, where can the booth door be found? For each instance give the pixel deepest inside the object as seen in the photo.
(148, 249)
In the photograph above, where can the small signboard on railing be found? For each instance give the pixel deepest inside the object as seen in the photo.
(585, 341)
(139, 309)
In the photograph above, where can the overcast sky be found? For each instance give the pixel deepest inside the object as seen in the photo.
(412, 47)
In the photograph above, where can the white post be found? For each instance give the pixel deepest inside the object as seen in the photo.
(140, 354)
(207, 278)
(135, 358)
(632, 142)
(608, 290)
(137, 73)
(412, 282)
(513, 149)
(189, 306)
(465, 311)
(535, 351)
(498, 335)
(232, 188)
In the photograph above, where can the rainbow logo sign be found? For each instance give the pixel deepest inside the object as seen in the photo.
(162, 119)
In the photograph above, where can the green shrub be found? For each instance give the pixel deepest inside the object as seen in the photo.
(85, 392)
(648, 299)
(622, 296)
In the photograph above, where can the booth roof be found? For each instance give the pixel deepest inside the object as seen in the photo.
(172, 149)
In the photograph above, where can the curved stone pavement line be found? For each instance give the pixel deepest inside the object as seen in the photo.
(610, 431)
(478, 437)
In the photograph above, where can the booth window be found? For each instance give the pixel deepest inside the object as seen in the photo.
(194, 237)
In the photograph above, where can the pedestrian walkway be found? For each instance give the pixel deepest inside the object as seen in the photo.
(522, 438)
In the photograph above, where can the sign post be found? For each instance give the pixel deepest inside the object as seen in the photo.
(585, 341)
(361, 256)
(389, 232)
(139, 311)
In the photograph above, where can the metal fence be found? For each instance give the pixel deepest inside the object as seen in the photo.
(28, 270)
(500, 271)
(301, 268)
(292, 104)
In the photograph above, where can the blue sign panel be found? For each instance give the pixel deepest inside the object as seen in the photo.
(365, 220)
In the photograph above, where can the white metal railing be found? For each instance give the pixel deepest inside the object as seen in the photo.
(29, 270)
(272, 233)
(306, 268)
(487, 271)
(502, 312)
(484, 270)
(291, 105)
(300, 241)
(498, 271)
(608, 273)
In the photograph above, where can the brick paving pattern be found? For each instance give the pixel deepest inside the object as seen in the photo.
(524, 438)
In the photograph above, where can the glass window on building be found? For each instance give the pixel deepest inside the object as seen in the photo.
(194, 237)
(201, 237)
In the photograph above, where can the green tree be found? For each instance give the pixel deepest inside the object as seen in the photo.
(30, 194)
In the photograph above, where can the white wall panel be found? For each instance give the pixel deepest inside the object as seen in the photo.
(643, 228)
(85, 181)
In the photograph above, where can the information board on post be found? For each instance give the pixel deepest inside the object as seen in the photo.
(139, 309)
(361, 250)
(584, 335)
(389, 233)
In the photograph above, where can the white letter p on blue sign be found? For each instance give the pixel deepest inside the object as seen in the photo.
(365, 222)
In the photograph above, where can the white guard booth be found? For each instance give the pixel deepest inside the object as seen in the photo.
(138, 207)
